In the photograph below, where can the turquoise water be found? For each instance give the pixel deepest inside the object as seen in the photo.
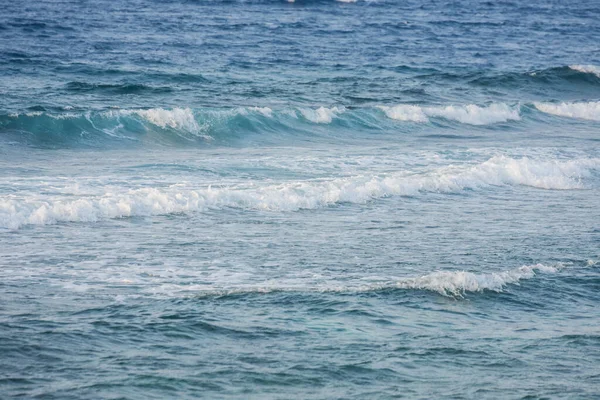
(317, 199)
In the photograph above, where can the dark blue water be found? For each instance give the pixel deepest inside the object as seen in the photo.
(310, 199)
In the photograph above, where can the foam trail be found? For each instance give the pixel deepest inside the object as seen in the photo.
(292, 196)
(586, 69)
(467, 114)
(584, 110)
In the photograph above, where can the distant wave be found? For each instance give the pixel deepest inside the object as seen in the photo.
(581, 110)
(555, 81)
(296, 195)
(126, 88)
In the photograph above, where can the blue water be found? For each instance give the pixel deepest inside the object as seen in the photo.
(309, 200)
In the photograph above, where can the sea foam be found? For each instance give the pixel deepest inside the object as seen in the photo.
(583, 110)
(292, 196)
(467, 114)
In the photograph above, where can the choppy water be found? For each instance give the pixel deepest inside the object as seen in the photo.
(318, 199)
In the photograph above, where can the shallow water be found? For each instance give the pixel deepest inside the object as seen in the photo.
(318, 199)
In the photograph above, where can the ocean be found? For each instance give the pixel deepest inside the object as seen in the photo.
(318, 199)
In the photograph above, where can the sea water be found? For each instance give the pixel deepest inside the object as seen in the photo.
(311, 199)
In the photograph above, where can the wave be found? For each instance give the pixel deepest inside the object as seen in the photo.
(468, 114)
(582, 110)
(176, 118)
(155, 126)
(454, 284)
(184, 125)
(296, 195)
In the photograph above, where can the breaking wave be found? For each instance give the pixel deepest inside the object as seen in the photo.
(184, 125)
(469, 114)
(586, 69)
(16, 212)
(457, 283)
(321, 115)
(583, 110)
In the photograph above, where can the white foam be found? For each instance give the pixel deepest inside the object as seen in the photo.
(466, 114)
(405, 112)
(266, 111)
(456, 283)
(584, 110)
(291, 196)
(321, 115)
(586, 69)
